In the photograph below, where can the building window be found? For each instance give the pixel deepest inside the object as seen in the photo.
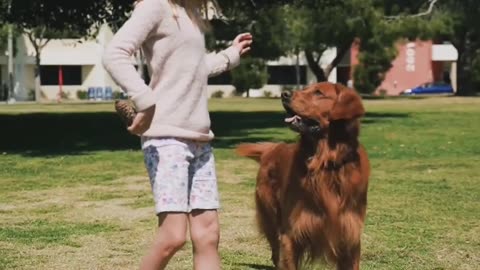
(224, 78)
(279, 75)
(286, 75)
(72, 75)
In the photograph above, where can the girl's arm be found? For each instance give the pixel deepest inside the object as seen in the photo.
(218, 63)
(117, 57)
(228, 59)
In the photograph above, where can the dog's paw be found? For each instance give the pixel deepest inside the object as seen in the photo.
(126, 110)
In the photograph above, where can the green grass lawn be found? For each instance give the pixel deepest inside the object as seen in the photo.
(74, 192)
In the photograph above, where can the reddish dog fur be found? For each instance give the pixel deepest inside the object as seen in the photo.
(311, 196)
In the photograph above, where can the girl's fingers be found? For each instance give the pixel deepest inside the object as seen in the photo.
(245, 44)
(244, 51)
(242, 37)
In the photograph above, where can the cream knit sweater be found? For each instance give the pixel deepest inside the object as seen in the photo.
(179, 65)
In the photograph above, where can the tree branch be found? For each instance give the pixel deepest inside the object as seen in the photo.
(32, 40)
(46, 40)
(340, 54)
(314, 66)
(427, 12)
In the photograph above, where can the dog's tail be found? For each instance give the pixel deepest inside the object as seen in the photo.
(254, 150)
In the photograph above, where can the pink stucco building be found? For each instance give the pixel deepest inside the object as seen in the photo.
(417, 62)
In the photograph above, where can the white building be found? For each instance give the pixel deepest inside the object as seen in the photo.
(80, 62)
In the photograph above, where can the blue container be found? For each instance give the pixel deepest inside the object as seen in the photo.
(99, 93)
(91, 93)
(108, 93)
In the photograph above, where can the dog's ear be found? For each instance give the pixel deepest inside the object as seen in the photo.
(348, 104)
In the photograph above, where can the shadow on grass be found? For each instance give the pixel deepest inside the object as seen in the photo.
(256, 266)
(44, 134)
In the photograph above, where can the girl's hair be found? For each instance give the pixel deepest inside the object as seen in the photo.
(197, 10)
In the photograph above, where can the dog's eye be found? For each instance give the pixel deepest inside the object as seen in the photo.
(319, 93)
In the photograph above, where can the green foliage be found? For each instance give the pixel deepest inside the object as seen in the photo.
(464, 34)
(376, 53)
(267, 25)
(251, 73)
(3, 38)
(118, 95)
(80, 17)
(82, 94)
(312, 26)
(217, 94)
(476, 72)
(267, 94)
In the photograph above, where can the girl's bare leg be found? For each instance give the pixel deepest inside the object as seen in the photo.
(205, 235)
(170, 237)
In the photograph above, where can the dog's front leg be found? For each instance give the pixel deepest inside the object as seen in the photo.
(349, 260)
(288, 254)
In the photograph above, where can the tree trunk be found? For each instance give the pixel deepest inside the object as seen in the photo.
(315, 66)
(38, 90)
(464, 74)
(297, 68)
(464, 69)
(39, 42)
(323, 74)
(341, 51)
(248, 93)
(11, 92)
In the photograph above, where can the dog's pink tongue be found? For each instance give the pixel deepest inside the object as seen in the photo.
(291, 119)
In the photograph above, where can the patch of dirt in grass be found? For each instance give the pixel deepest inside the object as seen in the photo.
(455, 258)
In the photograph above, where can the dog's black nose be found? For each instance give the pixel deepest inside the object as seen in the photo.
(286, 94)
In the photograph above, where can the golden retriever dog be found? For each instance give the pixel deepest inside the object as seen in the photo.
(311, 196)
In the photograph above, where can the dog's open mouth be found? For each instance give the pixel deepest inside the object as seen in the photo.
(299, 123)
(293, 119)
(296, 119)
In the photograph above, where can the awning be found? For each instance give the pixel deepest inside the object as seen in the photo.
(444, 52)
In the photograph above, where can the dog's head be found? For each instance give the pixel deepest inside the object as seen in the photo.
(313, 110)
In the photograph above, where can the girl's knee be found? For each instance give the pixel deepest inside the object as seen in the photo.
(206, 237)
(177, 241)
(170, 241)
(170, 244)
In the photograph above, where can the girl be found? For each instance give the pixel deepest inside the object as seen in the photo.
(173, 120)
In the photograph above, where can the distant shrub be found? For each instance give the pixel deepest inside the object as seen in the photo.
(82, 94)
(218, 94)
(118, 95)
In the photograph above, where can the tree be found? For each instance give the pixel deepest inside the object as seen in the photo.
(313, 26)
(3, 38)
(39, 37)
(43, 20)
(263, 19)
(464, 19)
(250, 74)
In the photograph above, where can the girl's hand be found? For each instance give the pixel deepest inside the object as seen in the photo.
(142, 121)
(242, 42)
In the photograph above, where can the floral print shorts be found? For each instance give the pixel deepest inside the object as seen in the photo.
(182, 174)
